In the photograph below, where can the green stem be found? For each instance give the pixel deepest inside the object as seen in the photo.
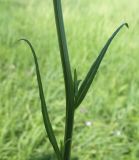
(69, 88)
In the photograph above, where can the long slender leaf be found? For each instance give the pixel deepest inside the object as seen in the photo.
(63, 47)
(69, 86)
(46, 119)
(93, 70)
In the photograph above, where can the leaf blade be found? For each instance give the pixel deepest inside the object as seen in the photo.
(46, 119)
(69, 86)
(94, 68)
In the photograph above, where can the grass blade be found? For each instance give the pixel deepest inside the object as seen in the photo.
(69, 86)
(63, 46)
(46, 119)
(93, 70)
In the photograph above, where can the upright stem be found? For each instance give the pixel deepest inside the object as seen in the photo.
(69, 89)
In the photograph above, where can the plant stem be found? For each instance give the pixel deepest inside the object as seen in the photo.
(67, 79)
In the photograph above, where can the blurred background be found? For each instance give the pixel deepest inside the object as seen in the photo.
(107, 122)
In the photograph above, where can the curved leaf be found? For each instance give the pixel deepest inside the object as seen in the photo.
(46, 119)
(94, 68)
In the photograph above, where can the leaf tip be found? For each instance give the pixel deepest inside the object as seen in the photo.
(126, 24)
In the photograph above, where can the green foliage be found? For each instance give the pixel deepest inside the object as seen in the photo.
(93, 70)
(46, 119)
(73, 96)
(106, 123)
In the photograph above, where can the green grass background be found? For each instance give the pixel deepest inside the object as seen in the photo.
(112, 104)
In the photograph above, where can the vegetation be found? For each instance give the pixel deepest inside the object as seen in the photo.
(108, 130)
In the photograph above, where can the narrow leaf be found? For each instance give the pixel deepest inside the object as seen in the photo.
(93, 70)
(63, 48)
(46, 119)
(69, 86)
